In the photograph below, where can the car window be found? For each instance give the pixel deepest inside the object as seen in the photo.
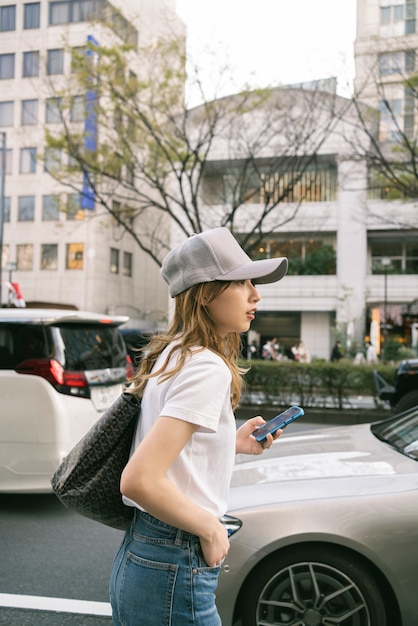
(19, 342)
(401, 432)
(78, 347)
(90, 347)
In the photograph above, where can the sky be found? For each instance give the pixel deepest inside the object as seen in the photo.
(273, 42)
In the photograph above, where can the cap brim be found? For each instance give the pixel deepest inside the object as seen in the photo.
(261, 272)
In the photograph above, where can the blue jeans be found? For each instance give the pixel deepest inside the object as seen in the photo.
(159, 578)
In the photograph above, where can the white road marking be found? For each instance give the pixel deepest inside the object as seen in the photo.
(60, 605)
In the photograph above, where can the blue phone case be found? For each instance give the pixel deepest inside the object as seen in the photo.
(278, 422)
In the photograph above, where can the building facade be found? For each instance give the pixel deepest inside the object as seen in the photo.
(55, 248)
(353, 254)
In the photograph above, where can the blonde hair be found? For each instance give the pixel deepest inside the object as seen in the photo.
(192, 327)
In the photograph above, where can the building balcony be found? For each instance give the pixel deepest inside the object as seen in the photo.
(300, 293)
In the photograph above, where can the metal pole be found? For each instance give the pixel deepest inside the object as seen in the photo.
(2, 199)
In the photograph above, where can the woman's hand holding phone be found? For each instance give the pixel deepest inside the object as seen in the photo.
(245, 440)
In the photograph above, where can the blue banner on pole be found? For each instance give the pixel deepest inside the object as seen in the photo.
(90, 131)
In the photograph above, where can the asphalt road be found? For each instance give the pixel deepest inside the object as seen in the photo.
(54, 564)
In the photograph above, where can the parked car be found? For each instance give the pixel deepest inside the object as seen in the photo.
(135, 339)
(324, 529)
(59, 371)
(403, 394)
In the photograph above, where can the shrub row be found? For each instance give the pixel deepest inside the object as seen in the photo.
(315, 384)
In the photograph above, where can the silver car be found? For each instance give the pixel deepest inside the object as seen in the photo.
(324, 529)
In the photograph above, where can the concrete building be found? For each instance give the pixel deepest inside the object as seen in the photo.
(81, 257)
(76, 256)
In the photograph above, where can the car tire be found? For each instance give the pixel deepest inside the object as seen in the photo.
(312, 585)
(407, 402)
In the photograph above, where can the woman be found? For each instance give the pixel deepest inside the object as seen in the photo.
(166, 570)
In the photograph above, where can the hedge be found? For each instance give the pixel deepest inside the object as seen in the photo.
(314, 384)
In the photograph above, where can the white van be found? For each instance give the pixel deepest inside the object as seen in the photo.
(59, 371)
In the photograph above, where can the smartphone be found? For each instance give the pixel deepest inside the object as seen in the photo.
(280, 421)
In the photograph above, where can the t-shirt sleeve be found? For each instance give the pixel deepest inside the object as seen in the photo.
(198, 392)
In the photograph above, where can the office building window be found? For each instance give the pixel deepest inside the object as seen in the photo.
(53, 111)
(391, 119)
(309, 254)
(397, 18)
(55, 61)
(49, 256)
(74, 256)
(74, 210)
(26, 208)
(6, 113)
(32, 15)
(77, 113)
(7, 66)
(27, 160)
(50, 208)
(127, 264)
(29, 112)
(66, 11)
(6, 213)
(8, 18)
(401, 63)
(30, 64)
(24, 257)
(52, 161)
(114, 261)
(402, 252)
(78, 58)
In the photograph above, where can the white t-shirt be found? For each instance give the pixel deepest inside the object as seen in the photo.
(199, 393)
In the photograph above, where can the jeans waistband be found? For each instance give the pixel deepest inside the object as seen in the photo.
(179, 537)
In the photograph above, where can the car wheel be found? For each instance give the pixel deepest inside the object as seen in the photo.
(312, 586)
(407, 402)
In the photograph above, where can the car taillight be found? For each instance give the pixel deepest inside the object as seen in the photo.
(130, 370)
(72, 383)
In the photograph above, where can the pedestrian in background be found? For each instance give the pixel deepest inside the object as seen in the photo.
(371, 355)
(177, 479)
(336, 353)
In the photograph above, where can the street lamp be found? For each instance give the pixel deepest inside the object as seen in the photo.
(385, 262)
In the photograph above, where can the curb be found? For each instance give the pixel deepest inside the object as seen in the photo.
(322, 416)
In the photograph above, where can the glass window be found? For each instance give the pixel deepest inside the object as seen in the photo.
(398, 13)
(32, 15)
(6, 113)
(55, 62)
(114, 261)
(8, 18)
(6, 211)
(127, 264)
(26, 208)
(59, 12)
(30, 64)
(29, 112)
(24, 257)
(74, 256)
(52, 159)
(53, 111)
(7, 66)
(78, 57)
(27, 160)
(49, 256)
(50, 208)
(74, 210)
(77, 109)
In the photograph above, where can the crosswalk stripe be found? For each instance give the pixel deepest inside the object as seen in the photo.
(59, 605)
